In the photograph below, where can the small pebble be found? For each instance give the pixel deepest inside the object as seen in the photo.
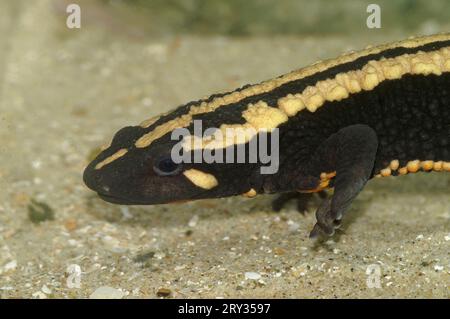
(113, 244)
(293, 226)
(438, 267)
(279, 251)
(163, 292)
(135, 292)
(12, 265)
(252, 275)
(193, 222)
(126, 215)
(106, 292)
(46, 290)
(160, 255)
(70, 224)
(179, 267)
(144, 257)
(39, 295)
(39, 212)
(146, 101)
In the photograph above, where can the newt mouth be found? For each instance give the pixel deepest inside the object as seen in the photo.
(127, 201)
(119, 200)
(124, 201)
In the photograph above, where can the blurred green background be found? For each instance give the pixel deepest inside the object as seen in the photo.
(257, 17)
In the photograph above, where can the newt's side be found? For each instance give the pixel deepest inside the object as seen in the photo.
(379, 112)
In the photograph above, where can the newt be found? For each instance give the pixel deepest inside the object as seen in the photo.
(382, 111)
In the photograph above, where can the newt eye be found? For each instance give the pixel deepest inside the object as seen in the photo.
(166, 167)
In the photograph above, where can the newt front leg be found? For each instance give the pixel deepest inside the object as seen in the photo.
(354, 149)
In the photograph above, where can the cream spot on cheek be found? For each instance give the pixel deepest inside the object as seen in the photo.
(201, 179)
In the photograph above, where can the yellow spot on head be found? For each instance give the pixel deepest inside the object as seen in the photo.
(201, 179)
(111, 158)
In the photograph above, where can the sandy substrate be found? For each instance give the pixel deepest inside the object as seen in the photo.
(64, 93)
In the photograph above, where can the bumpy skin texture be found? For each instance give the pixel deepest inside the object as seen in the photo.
(393, 123)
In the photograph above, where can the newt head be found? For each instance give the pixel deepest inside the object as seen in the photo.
(126, 173)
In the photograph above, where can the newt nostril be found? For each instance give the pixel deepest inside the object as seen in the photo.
(105, 189)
